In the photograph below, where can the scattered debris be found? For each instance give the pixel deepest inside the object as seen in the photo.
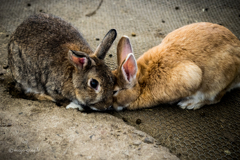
(133, 34)
(159, 33)
(229, 136)
(227, 152)
(94, 12)
(5, 66)
(202, 114)
(148, 140)
(124, 119)
(205, 9)
(138, 121)
(137, 143)
(2, 71)
(5, 125)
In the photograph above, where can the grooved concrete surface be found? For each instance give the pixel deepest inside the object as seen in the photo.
(209, 133)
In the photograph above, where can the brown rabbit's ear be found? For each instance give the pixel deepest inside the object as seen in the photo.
(106, 43)
(129, 68)
(123, 49)
(79, 59)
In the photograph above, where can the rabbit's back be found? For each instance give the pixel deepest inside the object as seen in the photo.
(48, 33)
(212, 47)
(202, 49)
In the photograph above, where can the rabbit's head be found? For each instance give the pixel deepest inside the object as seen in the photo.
(126, 87)
(92, 80)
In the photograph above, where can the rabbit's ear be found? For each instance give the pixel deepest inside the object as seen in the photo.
(79, 59)
(106, 43)
(129, 68)
(123, 49)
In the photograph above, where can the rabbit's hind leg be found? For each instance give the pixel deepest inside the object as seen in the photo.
(195, 101)
(200, 99)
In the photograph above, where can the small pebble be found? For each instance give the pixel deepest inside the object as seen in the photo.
(140, 133)
(138, 121)
(124, 119)
(40, 10)
(148, 140)
(133, 34)
(5, 66)
(227, 152)
(7, 35)
(177, 8)
(205, 9)
(137, 142)
(163, 21)
(28, 4)
(179, 155)
(2, 71)
(97, 39)
(202, 114)
(110, 55)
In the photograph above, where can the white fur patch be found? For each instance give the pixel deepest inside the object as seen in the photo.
(234, 86)
(74, 105)
(95, 109)
(119, 108)
(237, 85)
(30, 90)
(79, 99)
(195, 101)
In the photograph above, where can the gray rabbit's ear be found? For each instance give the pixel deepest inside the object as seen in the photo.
(123, 49)
(106, 43)
(79, 59)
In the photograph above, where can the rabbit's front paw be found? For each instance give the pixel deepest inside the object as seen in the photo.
(74, 105)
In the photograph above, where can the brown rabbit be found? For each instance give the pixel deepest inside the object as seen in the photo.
(50, 59)
(196, 65)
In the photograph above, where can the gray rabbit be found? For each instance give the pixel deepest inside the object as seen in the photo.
(50, 60)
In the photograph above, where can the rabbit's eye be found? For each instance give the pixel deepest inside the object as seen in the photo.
(94, 83)
(115, 92)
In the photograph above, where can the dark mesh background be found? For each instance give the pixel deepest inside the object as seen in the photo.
(209, 133)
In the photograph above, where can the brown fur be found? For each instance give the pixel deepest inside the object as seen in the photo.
(49, 58)
(192, 61)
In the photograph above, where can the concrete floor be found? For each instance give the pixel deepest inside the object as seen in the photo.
(209, 133)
